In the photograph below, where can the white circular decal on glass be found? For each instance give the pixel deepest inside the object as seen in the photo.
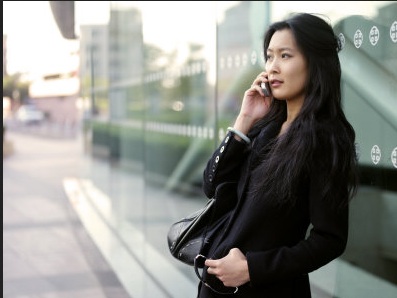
(394, 157)
(229, 61)
(222, 62)
(342, 40)
(221, 134)
(358, 39)
(244, 59)
(237, 60)
(375, 154)
(263, 58)
(393, 32)
(254, 57)
(358, 152)
(374, 35)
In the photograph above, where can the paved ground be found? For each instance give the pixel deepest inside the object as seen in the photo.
(46, 250)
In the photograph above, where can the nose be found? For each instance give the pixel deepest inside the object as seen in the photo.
(272, 66)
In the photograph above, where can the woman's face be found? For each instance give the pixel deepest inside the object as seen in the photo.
(286, 67)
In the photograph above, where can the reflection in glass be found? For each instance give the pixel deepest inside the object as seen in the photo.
(164, 81)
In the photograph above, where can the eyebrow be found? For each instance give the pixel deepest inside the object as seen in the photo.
(280, 49)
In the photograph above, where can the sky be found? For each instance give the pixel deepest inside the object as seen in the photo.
(34, 43)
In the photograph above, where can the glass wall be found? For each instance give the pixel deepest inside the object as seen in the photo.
(163, 80)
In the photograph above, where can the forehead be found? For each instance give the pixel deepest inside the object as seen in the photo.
(282, 39)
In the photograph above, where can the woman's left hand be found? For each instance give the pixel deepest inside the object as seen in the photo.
(232, 269)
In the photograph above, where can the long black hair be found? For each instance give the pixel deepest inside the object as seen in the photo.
(320, 138)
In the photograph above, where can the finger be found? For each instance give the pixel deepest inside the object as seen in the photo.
(256, 88)
(257, 82)
(232, 250)
(209, 263)
(262, 79)
(259, 79)
(211, 270)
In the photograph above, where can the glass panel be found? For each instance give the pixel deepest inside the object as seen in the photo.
(369, 60)
(163, 80)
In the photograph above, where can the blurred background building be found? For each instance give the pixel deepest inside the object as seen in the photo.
(4, 55)
(156, 85)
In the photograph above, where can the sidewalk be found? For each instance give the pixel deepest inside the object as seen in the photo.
(46, 250)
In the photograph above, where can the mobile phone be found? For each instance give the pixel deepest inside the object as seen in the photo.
(265, 89)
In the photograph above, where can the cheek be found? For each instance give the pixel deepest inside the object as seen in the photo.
(297, 82)
(301, 82)
(267, 68)
(301, 76)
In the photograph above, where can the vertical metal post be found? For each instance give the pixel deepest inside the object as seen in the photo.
(92, 89)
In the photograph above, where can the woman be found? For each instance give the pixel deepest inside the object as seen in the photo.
(293, 156)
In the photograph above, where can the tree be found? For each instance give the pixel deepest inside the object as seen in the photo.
(16, 88)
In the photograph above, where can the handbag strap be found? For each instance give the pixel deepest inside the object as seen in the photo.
(199, 262)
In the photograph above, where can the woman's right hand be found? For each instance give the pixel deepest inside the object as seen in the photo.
(255, 105)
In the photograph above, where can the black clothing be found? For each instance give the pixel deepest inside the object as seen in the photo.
(275, 239)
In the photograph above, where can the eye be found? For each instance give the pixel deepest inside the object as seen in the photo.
(268, 57)
(285, 55)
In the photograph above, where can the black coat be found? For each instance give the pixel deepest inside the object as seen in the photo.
(282, 244)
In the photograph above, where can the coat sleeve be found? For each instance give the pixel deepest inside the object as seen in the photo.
(224, 164)
(326, 241)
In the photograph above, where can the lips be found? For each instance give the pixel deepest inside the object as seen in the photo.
(275, 83)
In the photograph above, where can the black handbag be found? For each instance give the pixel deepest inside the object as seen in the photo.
(193, 234)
